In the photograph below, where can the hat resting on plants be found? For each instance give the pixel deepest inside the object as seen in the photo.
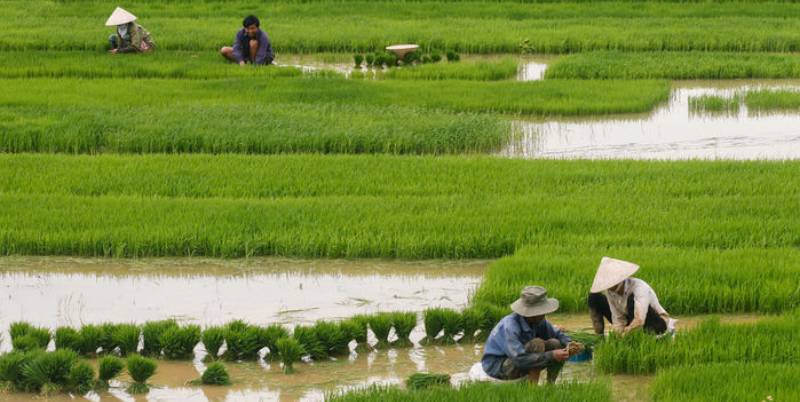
(611, 272)
(533, 301)
(120, 16)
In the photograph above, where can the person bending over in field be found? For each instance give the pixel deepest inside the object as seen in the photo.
(251, 45)
(627, 303)
(130, 36)
(524, 343)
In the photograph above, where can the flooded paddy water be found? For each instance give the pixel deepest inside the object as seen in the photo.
(672, 132)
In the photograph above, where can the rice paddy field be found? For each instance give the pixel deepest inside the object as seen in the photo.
(341, 226)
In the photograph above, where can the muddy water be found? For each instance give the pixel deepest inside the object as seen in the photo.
(53, 292)
(672, 132)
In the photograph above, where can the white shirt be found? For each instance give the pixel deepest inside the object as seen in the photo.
(644, 297)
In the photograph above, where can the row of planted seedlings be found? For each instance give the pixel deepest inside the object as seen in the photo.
(389, 59)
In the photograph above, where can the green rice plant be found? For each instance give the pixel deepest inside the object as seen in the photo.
(433, 318)
(358, 59)
(452, 56)
(418, 381)
(356, 329)
(588, 339)
(243, 341)
(140, 369)
(403, 323)
(179, 342)
(81, 378)
(67, 338)
(411, 57)
(126, 338)
(381, 326)
(483, 391)
(770, 340)
(215, 374)
(12, 366)
(479, 70)
(452, 323)
(270, 336)
(290, 351)
(714, 104)
(436, 57)
(491, 314)
(425, 59)
(727, 382)
(772, 100)
(213, 338)
(370, 59)
(49, 372)
(107, 331)
(25, 336)
(307, 338)
(472, 320)
(331, 336)
(90, 340)
(151, 336)
(108, 367)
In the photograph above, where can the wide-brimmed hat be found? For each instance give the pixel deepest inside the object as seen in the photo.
(611, 272)
(533, 301)
(120, 16)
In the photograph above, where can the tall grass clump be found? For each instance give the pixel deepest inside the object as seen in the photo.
(67, 338)
(215, 374)
(140, 369)
(727, 382)
(151, 335)
(213, 338)
(290, 351)
(714, 104)
(108, 368)
(483, 391)
(403, 323)
(381, 326)
(179, 342)
(26, 337)
(419, 381)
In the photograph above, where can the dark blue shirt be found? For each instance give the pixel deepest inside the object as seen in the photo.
(241, 47)
(508, 339)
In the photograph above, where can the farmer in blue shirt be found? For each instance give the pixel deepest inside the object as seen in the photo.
(523, 343)
(251, 45)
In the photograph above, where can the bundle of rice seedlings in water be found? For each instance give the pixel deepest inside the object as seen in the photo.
(453, 325)
(107, 337)
(151, 335)
(269, 337)
(140, 369)
(356, 329)
(390, 59)
(90, 338)
(491, 316)
(472, 321)
(381, 325)
(377, 60)
(588, 339)
(81, 378)
(213, 338)
(419, 381)
(12, 365)
(290, 351)
(403, 324)
(411, 57)
(331, 336)
(68, 338)
(436, 57)
(215, 374)
(243, 341)
(425, 59)
(25, 337)
(452, 56)
(49, 372)
(370, 59)
(178, 343)
(358, 59)
(126, 338)
(434, 323)
(108, 367)
(307, 338)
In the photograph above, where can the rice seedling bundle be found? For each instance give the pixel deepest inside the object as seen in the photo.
(107, 331)
(476, 70)
(290, 351)
(714, 104)
(151, 335)
(419, 381)
(179, 342)
(244, 341)
(49, 372)
(140, 369)
(67, 338)
(91, 338)
(308, 340)
(270, 336)
(772, 340)
(452, 324)
(381, 326)
(356, 329)
(11, 365)
(403, 323)
(25, 337)
(213, 338)
(126, 338)
(492, 314)
(81, 378)
(108, 367)
(215, 374)
(727, 382)
(472, 320)
(335, 341)
(483, 391)
(433, 318)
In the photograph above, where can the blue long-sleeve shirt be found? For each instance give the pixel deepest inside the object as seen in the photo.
(508, 338)
(241, 47)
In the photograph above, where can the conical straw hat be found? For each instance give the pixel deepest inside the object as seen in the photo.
(611, 272)
(119, 17)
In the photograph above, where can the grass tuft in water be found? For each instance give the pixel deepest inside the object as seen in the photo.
(331, 336)
(108, 367)
(419, 381)
(213, 338)
(381, 325)
(356, 329)
(472, 321)
(179, 342)
(126, 338)
(243, 341)
(290, 351)
(714, 104)
(215, 374)
(90, 340)
(307, 337)
(151, 334)
(49, 372)
(140, 369)
(403, 323)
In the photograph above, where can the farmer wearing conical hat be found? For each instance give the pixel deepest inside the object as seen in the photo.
(628, 303)
(524, 343)
(130, 36)
(252, 45)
